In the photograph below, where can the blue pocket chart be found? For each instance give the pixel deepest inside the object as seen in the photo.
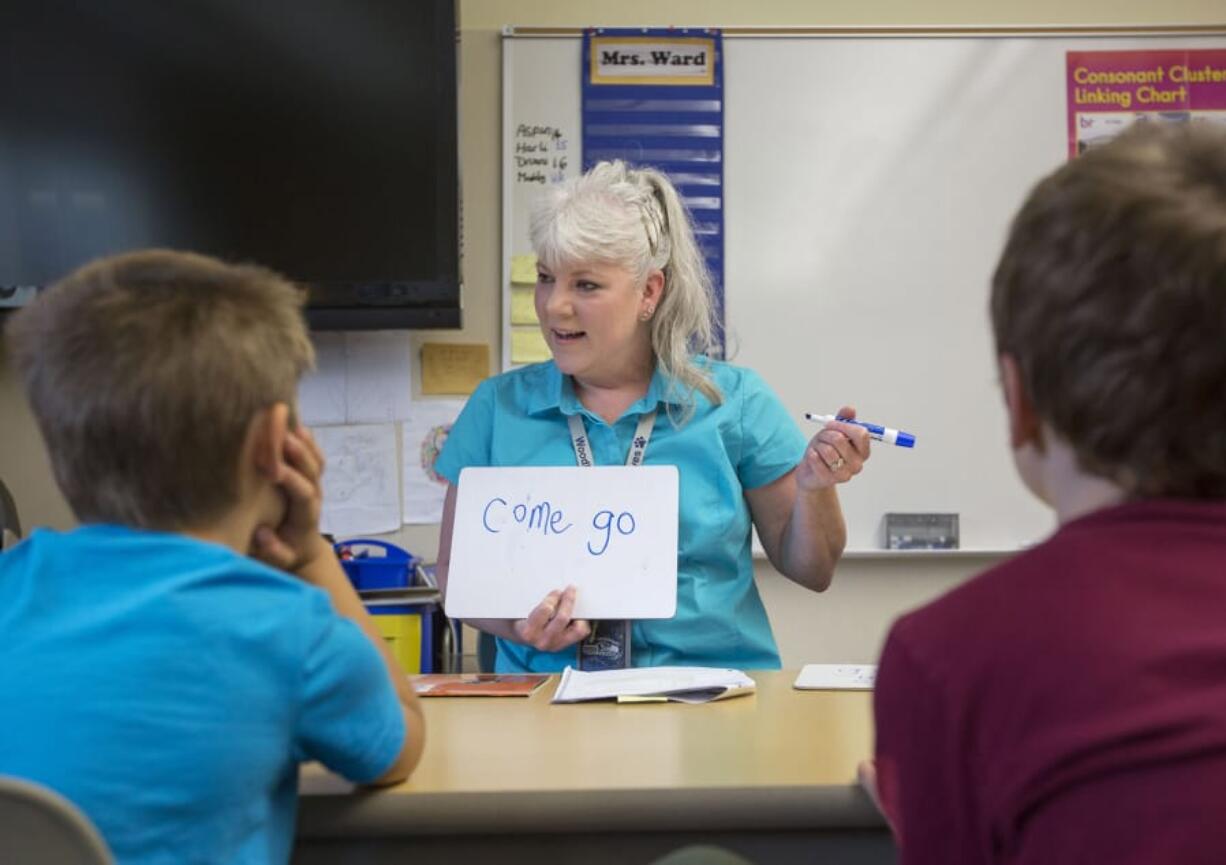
(520, 533)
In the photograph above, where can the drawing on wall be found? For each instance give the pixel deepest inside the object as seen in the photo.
(361, 494)
(431, 447)
(425, 433)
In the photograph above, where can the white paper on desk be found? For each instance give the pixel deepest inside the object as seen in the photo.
(836, 677)
(683, 684)
(520, 533)
(361, 489)
(421, 441)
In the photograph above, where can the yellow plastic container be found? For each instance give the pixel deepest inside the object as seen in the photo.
(403, 634)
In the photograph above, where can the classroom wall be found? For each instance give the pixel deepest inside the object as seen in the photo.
(847, 622)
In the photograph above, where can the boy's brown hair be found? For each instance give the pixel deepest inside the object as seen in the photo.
(144, 371)
(1111, 295)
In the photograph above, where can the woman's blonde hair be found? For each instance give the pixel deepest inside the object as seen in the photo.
(634, 218)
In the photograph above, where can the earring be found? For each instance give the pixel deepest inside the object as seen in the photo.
(648, 313)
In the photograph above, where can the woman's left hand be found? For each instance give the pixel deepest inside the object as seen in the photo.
(835, 455)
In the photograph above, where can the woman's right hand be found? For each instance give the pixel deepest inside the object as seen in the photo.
(549, 627)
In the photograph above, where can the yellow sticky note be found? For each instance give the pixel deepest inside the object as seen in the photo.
(523, 269)
(528, 345)
(453, 367)
(523, 305)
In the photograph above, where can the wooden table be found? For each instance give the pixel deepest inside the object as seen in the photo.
(770, 775)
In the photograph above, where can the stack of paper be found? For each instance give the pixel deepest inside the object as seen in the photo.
(646, 684)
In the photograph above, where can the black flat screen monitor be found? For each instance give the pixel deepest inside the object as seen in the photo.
(317, 137)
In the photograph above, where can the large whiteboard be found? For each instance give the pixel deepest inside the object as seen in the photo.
(869, 184)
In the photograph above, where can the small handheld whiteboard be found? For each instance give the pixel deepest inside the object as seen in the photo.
(520, 533)
(836, 677)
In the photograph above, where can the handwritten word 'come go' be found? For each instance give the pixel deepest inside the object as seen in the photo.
(543, 520)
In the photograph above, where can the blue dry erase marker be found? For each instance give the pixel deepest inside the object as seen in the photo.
(880, 433)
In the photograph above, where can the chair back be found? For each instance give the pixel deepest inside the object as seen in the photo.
(41, 827)
(10, 526)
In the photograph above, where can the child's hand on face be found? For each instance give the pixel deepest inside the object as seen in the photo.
(296, 541)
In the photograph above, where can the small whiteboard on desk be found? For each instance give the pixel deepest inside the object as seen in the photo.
(836, 677)
(520, 533)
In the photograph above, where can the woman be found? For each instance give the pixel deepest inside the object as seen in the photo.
(624, 302)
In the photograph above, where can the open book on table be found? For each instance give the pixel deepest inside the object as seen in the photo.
(477, 684)
(653, 684)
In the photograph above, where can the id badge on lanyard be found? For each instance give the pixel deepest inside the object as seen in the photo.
(607, 647)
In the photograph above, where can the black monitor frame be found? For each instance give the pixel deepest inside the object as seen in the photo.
(429, 296)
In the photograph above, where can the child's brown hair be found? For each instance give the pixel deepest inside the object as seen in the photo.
(144, 371)
(1111, 295)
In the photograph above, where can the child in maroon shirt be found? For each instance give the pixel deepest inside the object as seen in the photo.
(1070, 704)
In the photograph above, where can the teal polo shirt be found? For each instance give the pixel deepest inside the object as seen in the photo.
(519, 418)
(170, 687)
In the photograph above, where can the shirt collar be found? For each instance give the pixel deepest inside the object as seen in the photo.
(557, 393)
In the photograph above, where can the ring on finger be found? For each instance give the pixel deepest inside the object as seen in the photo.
(838, 464)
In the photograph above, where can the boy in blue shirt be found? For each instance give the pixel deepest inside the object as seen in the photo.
(167, 665)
